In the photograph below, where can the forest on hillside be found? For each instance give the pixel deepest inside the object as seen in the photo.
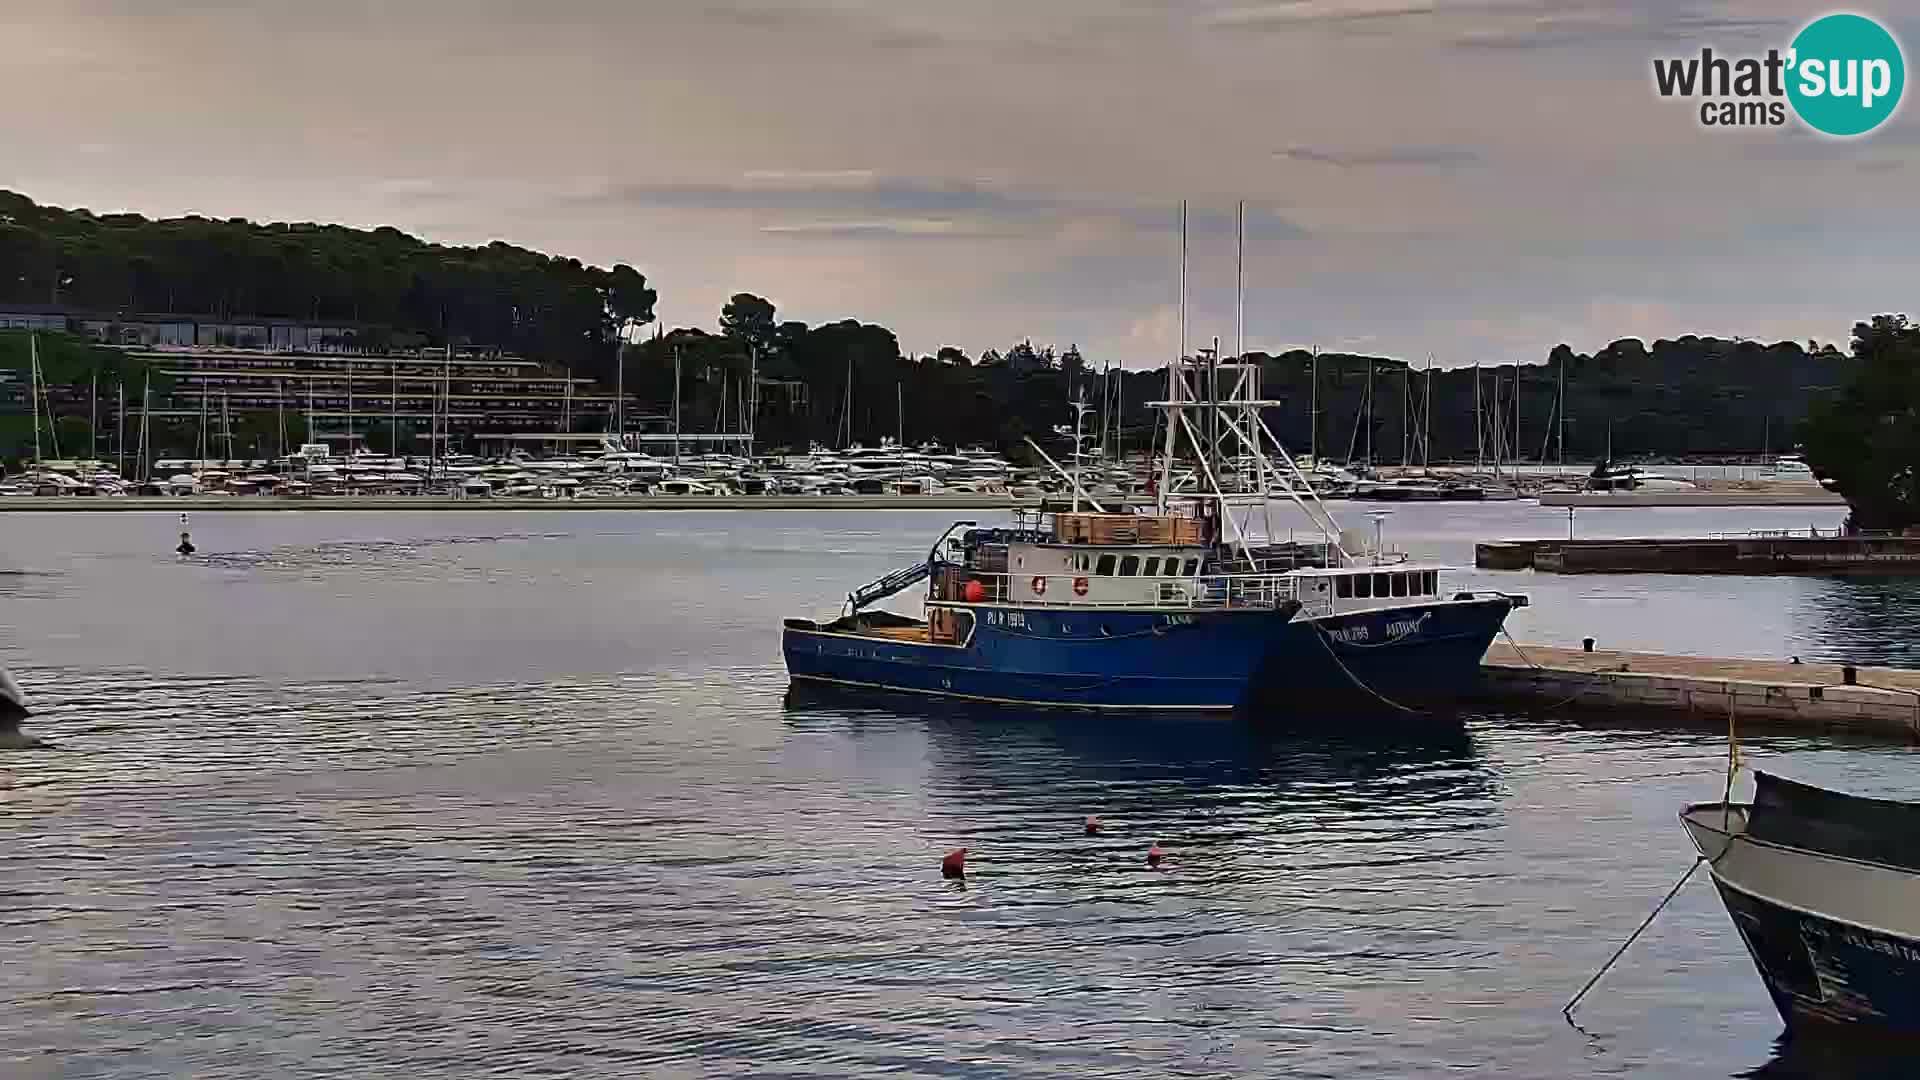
(848, 381)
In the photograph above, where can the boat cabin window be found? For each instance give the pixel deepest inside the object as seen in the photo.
(1381, 585)
(1153, 567)
(1343, 587)
(1399, 584)
(1363, 586)
(1130, 566)
(1193, 567)
(1106, 566)
(1432, 579)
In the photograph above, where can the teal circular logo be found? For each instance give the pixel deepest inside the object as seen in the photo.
(1846, 75)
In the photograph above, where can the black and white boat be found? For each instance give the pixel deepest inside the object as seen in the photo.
(1824, 888)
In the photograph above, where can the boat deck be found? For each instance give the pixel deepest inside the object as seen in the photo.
(897, 633)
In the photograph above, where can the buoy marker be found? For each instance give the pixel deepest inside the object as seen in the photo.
(955, 864)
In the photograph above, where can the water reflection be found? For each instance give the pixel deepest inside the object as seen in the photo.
(1809, 1060)
(1865, 620)
(1238, 801)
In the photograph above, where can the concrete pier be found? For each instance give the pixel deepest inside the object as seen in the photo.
(1815, 697)
(1795, 495)
(1758, 553)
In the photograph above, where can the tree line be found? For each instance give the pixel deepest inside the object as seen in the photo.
(849, 381)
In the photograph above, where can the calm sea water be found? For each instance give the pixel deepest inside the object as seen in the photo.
(454, 795)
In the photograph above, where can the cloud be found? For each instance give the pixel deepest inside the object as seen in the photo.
(878, 227)
(1614, 27)
(1388, 157)
(822, 191)
(1292, 12)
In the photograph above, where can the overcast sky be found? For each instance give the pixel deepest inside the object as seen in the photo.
(1473, 179)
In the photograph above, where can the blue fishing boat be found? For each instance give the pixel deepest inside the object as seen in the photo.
(1185, 604)
(1824, 888)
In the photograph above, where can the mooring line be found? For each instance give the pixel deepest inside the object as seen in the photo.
(1621, 951)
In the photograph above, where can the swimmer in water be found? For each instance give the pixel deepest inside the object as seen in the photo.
(186, 545)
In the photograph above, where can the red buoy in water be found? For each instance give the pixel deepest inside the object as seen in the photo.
(974, 592)
(1093, 824)
(1154, 855)
(955, 864)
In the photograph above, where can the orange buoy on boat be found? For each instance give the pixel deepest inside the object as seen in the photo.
(974, 592)
(955, 864)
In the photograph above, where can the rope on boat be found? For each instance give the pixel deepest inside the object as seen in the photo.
(1522, 654)
(1621, 951)
(1326, 642)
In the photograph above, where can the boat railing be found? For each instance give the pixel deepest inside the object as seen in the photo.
(1205, 591)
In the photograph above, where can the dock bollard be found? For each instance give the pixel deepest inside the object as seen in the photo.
(1850, 675)
(1586, 644)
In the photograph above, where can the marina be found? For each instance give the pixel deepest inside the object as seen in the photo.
(757, 540)
(541, 701)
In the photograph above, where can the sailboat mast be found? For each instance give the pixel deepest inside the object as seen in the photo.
(1173, 375)
(93, 416)
(120, 431)
(1479, 436)
(1313, 407)
(146, 398)
(1426, 418)
(33, 391)
(1560, 449)
(1369, 414)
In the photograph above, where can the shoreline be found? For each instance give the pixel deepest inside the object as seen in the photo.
(268, 504)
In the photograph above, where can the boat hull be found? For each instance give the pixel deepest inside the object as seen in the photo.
(1174, 659)
(1836, 941)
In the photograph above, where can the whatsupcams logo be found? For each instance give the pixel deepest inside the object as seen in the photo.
(1843, 75)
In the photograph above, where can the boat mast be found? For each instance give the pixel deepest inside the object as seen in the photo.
(120, 432)
(1313, 409)
(1426, 418)
(146, 390)
(33, 391)
(93, 416)
(1174, 381)
(1479, 435)
(1560, 450)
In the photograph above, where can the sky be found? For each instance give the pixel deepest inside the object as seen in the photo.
(1477, 180)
